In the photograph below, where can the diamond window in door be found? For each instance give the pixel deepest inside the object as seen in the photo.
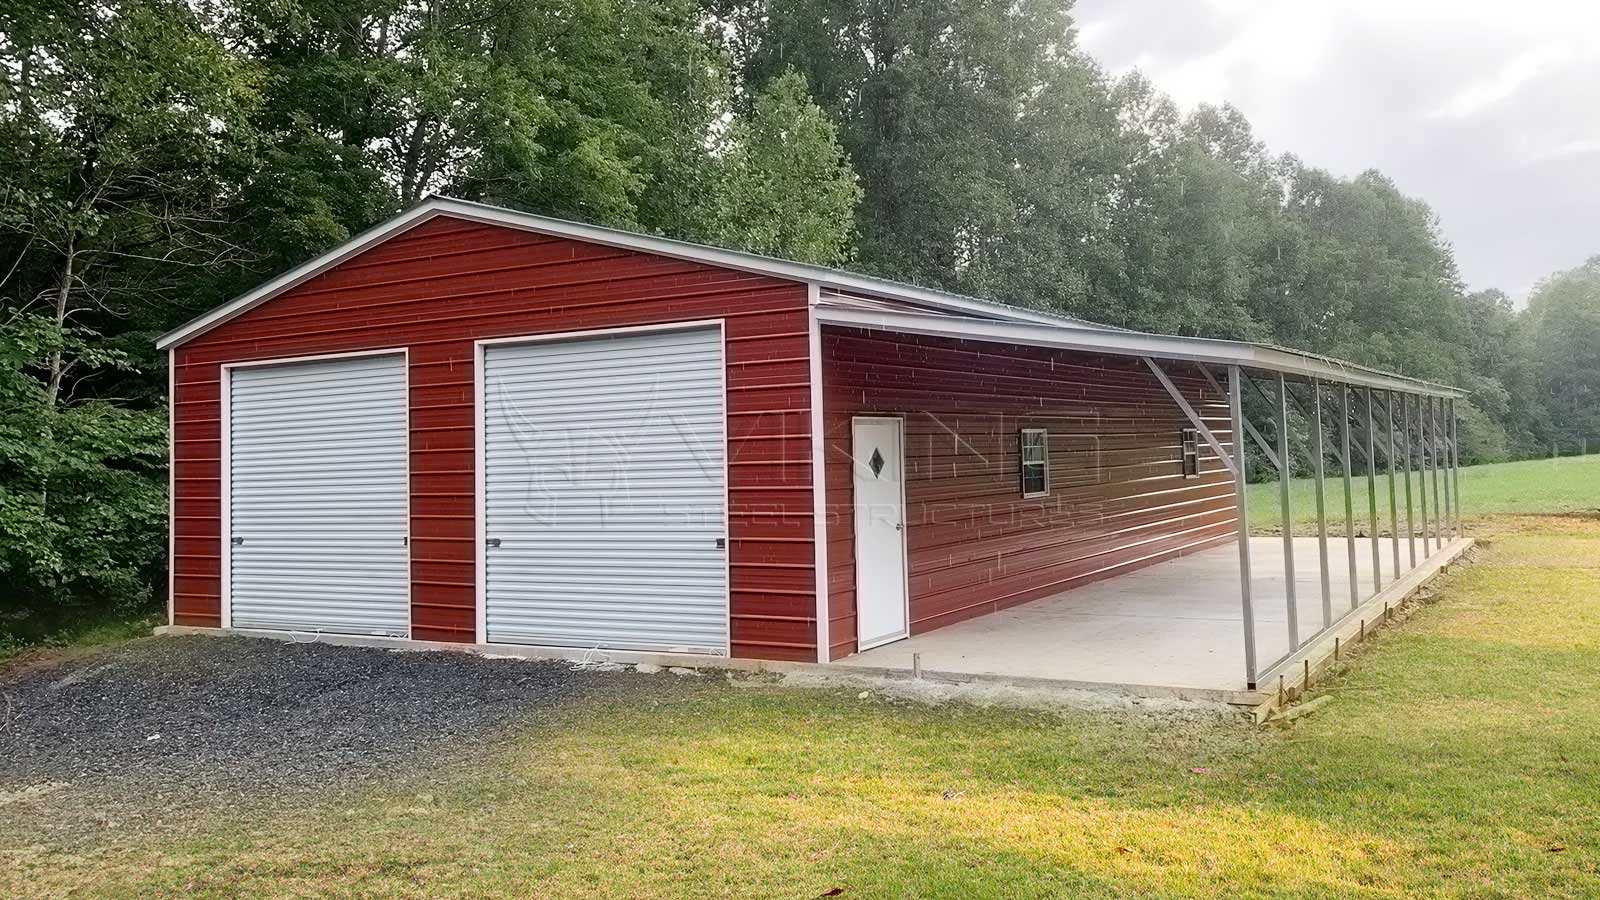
(876, 462)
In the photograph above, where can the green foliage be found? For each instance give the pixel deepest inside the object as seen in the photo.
(787, 189)
(82, 485)
(158, 156)
(120, 124)
(1564, 317)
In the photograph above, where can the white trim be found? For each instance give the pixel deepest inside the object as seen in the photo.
(975, 313)
(819, 479)
(687, 325)
(727, 499)
(479, 491)
(1022, 462)
(319, 357)
(172, 485)
(225, 429)
(225, 492)
(855, 542)
(405, 362)
(480, 516)
(1186, 444)
(1070, 337)
(592, 234)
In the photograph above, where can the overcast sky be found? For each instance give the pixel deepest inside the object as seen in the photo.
(1488, 111)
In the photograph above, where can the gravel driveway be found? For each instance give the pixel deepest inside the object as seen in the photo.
(186, 717)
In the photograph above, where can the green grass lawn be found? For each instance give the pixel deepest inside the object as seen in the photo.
(1457, 759)
(67, 634)
(1565, 485)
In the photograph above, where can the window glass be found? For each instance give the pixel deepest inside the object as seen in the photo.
(1034, 444)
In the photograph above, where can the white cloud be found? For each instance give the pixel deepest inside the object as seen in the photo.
(1580, 147)
(1515, 75)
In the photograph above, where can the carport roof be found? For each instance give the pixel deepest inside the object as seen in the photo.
(850, 300)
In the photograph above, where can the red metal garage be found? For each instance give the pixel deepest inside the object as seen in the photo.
(477, 425)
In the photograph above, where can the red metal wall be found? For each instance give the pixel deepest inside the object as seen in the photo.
(441, 285)
(1117, 496)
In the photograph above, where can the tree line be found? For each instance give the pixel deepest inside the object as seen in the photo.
(160, 156)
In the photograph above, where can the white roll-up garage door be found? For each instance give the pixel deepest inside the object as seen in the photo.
(605, 509)
(317, 476)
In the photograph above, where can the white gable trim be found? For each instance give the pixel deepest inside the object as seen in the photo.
(609, 237)
(971, 317)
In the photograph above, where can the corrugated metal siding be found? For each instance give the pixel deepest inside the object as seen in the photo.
(447, 282)
(317, 506)
(437, 288)
(1117, 496)
(604, 492)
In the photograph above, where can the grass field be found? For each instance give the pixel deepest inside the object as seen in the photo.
(1457, 759)
(1566, 485)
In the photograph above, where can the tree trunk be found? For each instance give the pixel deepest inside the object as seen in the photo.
(410, 178)
(57, 366)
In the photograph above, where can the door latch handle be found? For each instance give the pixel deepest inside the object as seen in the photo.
(722, 543)
(491, 542)
(237, 541)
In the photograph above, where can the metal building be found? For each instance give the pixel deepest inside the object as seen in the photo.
(477, 426)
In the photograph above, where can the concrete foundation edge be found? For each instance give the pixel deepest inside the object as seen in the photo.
(1314, 657)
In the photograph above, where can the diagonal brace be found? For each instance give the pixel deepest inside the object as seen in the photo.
(1194, 417)
(1261, 441)
(1305, 411)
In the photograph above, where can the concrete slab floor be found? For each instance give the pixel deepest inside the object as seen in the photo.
(1178, 623)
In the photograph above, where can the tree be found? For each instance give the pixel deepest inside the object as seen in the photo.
(787, 188)
(116, 122)
(987, 148)
(1564, 318)
(594, 110)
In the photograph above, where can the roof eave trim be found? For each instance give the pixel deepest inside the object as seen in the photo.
(1205, 350)
(298, 275)
(610, 237)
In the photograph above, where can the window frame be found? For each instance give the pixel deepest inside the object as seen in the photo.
(1189, 452)
(1042, 464)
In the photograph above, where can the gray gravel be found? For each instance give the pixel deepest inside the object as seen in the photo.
(194, 716)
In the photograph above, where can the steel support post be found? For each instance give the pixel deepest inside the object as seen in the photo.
(1447, 524)
(1405, 430)
(1455, 464)
(1236, 412)
(1432, 474)
(1317, 453)
(1394, 514)
(1292, 609)
(1441, 513)
(1422, 472)
(1372, 493)
(1349, 502)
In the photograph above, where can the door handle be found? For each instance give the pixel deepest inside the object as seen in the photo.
(237, 541)
(491, 542)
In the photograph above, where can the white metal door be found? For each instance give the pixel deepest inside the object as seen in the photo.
(604, 491)
(317, 496)
(878, 473)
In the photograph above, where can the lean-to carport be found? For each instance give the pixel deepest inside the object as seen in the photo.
(1395, 436)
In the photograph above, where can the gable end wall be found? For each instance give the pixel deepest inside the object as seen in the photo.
(445, 283)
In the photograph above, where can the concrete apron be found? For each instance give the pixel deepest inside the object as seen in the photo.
(1285, 683)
